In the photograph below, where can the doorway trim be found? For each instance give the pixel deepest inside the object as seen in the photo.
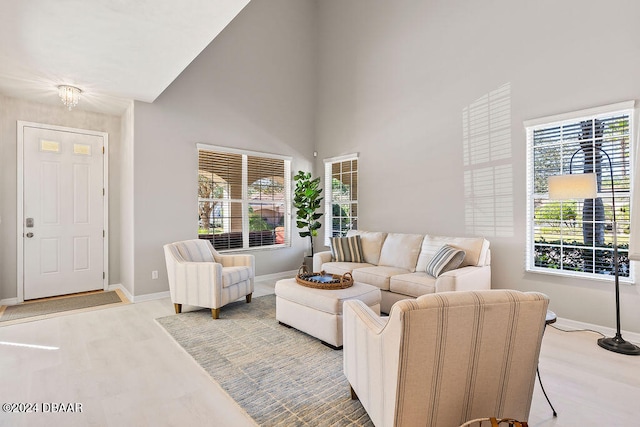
(20, 198)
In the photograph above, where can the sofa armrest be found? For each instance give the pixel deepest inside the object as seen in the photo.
(320, 258)
(469, 278)
(246, 260)
(371, 356)
(194, 283)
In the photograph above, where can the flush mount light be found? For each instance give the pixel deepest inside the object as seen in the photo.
(70, 95)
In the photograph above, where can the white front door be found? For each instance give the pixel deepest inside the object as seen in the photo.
(63, 211)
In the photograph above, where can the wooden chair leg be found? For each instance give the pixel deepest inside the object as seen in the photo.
(215, 313)
(178, 308)
(248, 298)
(354, 396)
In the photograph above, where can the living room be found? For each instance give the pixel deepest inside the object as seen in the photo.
(391, 81)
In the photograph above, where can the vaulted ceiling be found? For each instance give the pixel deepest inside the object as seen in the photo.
(114, 50)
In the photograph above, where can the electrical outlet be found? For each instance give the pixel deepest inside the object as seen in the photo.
(154, 274)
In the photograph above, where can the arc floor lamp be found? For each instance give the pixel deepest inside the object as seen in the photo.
(584, 186)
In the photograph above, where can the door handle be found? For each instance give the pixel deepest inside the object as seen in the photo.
(29, 235)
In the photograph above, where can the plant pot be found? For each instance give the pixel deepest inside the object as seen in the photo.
(308, 263)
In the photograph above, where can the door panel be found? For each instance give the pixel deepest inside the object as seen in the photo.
(63, 244)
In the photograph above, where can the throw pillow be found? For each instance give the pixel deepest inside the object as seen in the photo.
(445, 259)
(347, 249)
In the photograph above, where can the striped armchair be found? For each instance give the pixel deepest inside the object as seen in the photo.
(200, 276)
(445, 358)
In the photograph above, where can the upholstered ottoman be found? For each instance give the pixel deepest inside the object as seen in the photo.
(318, 312)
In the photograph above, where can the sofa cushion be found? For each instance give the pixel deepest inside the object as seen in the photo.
(347, 249)
(413, 284)
(401, 250)
(377, 276)
(476, 250)
(447, 258)
(235, 275)
(342, 267)
(371, 244)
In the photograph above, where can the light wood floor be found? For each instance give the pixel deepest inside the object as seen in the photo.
(126, 371)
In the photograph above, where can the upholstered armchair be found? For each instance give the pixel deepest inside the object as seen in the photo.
(200, 276)
(443, 359)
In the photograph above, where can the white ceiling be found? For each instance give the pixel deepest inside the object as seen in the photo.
(114, 50)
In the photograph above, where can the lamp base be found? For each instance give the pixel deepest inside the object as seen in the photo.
(619, 345)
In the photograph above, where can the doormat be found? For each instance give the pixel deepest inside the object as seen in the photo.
(51, 307)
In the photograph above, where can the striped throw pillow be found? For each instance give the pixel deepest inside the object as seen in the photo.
(347, 249)
(445, 259)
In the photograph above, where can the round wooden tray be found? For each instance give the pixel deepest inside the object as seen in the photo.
(323, 280)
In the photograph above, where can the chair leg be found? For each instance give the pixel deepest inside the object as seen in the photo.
(248, 298)
(178, 308)
(354, 396)
(215, 313)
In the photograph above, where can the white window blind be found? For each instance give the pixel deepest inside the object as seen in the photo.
(575, 237)
(243, 198)
(341, 195)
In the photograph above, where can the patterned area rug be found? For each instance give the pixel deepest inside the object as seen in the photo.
(280, 376)
(42, 309)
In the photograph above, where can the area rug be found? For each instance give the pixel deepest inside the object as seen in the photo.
(279, 376)
(63, 305)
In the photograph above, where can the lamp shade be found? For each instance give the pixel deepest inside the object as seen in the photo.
(573, 186)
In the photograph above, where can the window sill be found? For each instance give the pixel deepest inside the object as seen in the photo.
(584, 276)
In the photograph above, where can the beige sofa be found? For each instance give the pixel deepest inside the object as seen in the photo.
(396, 263)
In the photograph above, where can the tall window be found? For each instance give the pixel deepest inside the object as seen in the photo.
(575, 237)
(341, 195)
(243, 198)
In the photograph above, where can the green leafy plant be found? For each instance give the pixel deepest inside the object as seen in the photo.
(307, 201)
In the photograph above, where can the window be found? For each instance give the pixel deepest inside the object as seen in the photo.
(575, 237)
(243, 198)
(341, 195)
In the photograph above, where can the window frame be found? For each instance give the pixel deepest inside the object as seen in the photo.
(328, 201)
(622, 108)
(245, 200)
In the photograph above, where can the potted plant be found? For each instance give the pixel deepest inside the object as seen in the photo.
(307, 201)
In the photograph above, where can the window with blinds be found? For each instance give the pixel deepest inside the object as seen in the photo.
(243, 198)
(576, 236)
(341, 196)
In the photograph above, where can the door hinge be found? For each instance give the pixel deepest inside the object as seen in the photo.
(103, 191)
(103, 234)
(102, 149)
(104, 275)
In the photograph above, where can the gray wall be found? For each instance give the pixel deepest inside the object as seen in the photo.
(397, 79)
(253, 88)
(12, 110)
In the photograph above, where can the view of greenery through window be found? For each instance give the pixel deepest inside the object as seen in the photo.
(239, 192)
(577, 235)
(341, 207)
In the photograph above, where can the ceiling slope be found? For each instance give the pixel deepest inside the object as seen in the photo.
(114, 50)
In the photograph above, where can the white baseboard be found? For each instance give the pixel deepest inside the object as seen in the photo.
(167, 294)
(574, 325)
(151, 297)
(9, 301)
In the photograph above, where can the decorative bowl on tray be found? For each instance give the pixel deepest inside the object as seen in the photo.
(323, 280)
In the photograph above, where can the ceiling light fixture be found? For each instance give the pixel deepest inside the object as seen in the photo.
(70, 95)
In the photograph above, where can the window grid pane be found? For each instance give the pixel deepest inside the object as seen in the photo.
(233, 201)
(578, 235)
(341, 202)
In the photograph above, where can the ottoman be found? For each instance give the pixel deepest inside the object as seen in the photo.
(318, 312)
